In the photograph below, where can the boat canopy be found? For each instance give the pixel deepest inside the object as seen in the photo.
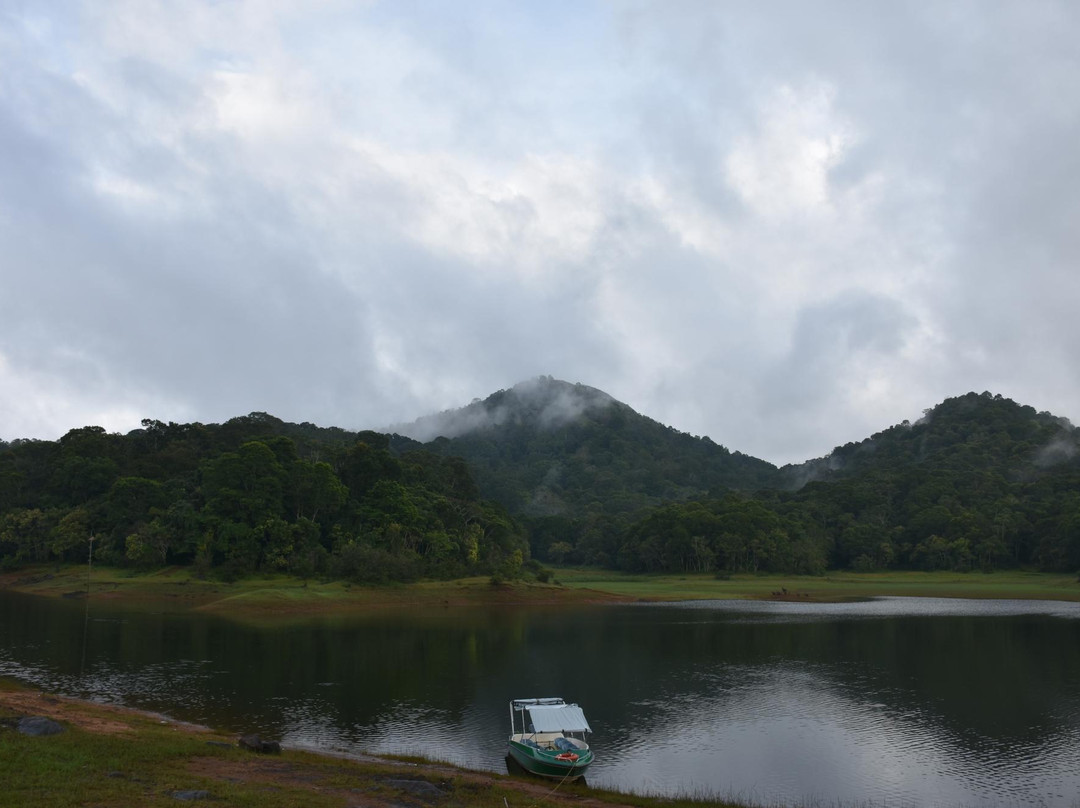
(557, 718)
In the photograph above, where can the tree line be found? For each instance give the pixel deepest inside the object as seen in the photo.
(252, 494)
(979, 483)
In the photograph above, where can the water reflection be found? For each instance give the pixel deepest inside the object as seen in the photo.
(897, 700)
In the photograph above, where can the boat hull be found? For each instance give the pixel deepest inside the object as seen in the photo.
(544, 763)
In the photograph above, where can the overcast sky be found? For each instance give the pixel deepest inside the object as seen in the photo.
(784, 225)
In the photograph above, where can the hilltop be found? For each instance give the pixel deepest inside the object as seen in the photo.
(983, 432)
(548, 448)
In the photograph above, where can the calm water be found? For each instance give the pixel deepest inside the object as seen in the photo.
(894, 702)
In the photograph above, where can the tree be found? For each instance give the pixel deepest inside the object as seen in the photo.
(560, 551)
(244, 486)
(132, 500)
(315, 489)
(71, 535)
(27, 531)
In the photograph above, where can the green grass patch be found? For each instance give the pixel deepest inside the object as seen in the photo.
(142, 767)
(834, 586)
(129, 758)
(282, 598)
(278, 597)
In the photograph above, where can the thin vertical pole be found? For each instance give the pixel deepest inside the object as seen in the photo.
(86, 614)
(89, 570)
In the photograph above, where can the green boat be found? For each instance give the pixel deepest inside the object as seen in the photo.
(547, 738)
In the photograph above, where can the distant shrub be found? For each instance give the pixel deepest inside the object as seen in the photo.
(232, 570)
(363, 564)
(864, 563)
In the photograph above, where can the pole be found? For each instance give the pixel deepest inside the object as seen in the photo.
(86, 614)
(89, 570)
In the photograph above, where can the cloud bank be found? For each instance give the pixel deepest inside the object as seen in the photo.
(784, 226)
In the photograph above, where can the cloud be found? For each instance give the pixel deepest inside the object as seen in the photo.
(1061, 449)
(542, 401)
(784, 227)
(784, 170)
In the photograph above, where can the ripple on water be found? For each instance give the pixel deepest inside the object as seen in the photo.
(832, 742)
(782, 703)
(880, 607)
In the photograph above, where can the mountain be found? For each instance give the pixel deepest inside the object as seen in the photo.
(981, 433)
(557, 471)
(978, 482)
(551, 448)
(543, 403)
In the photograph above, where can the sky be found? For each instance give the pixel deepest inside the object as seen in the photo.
(781, 225)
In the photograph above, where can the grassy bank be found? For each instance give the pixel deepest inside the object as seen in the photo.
(282, 597)
(108, 756)
(832, 587)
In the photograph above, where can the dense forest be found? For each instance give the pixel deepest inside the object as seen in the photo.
(548, 448)
(546, 472)
(978, 482)
(254, 493)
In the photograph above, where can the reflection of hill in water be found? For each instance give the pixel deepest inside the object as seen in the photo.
(976, 709)
(717, 695)
(1003, 677)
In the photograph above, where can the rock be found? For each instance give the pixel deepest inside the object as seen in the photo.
(188, 796)
(421, 789)
(222, 744)
(38, 725)
(253, 743)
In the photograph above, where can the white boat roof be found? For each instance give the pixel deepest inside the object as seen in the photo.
(557, 718)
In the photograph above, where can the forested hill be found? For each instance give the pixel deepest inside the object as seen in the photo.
(984, 434)
(548, 448)
(560, 471)
(254, 493)
(980, 482)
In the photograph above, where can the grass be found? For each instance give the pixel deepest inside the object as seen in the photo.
(280, 598)
(139, 764)
(109, 756)
(831, 587)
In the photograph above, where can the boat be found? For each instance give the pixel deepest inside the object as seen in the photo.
(547, 738)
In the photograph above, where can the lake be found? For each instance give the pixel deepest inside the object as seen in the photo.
(895, 701)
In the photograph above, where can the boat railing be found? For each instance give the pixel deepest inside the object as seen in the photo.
(520, 704)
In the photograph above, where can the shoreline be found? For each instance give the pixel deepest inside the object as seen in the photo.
(113, 755)
(145, 757)
(282, 598)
